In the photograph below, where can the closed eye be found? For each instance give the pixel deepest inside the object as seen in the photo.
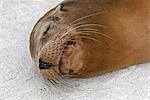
(45, 32)
(53, 21)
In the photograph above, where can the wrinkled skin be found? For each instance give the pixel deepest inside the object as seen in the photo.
(83, 38)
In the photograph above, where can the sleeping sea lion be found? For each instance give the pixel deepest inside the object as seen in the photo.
(84, 38)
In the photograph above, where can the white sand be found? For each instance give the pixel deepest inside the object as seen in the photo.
(20, 81)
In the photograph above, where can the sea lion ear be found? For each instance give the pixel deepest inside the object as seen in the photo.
(61, 7)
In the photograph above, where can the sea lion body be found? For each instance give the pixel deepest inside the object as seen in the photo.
(83, 38)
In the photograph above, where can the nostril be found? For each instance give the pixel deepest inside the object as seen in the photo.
(70, 42)
(44, 65)
(71, 72)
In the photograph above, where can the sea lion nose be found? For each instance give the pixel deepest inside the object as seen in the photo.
(44, 65)
(70, 42)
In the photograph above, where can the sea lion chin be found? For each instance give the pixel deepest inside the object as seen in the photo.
(83, 38)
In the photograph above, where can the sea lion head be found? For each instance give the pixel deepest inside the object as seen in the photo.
(81, 38)
(62, 43)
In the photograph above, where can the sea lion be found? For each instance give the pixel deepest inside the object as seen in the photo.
(84, 38)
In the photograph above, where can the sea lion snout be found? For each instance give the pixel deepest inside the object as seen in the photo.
(51, 56)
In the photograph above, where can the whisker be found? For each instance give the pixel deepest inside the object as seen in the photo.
(90, 38)
(51, 82)
(47, 84)
(60, 79)
(54, 81)
(91, 29)
(60, 82)
(67, 84)
(56, 37)
(83, 33)
(62, 30)
(63, 83)
(96, 32)
(93, 24)
(94, 14)
(58, 75)
(82, 26)
(79, 23)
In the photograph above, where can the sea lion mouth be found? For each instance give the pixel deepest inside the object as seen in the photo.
(45, 65)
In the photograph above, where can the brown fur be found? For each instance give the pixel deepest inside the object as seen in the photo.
(114, 34)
